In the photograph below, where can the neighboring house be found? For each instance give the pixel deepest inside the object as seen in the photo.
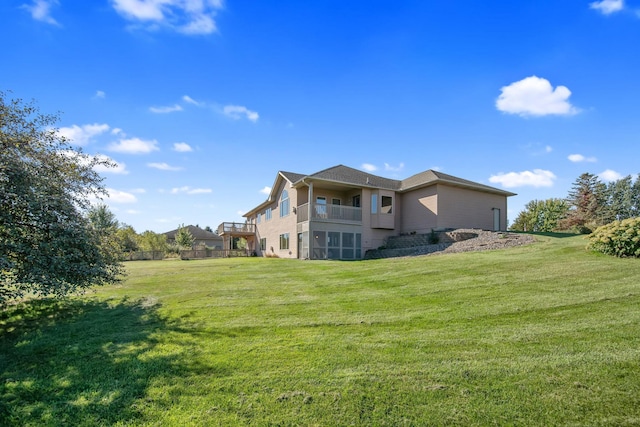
(341, 212)
(200, 237)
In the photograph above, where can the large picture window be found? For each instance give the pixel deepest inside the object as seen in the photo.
(284, 241)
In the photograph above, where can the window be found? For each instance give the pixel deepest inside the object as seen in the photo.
(374, 203)
(267, 214)
(284, 203)
(355, 201)
(258, 218)
(321, 206)
(263, 244)
(284, 241)
(387, 204)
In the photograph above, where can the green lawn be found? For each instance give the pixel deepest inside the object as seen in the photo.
(545, 334)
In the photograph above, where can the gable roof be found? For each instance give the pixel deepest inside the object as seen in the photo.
(430, 177)
(344, 175)
(197, 233)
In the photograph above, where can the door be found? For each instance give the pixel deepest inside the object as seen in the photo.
(496, 219)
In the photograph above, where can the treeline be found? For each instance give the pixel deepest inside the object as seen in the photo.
(123, 238)
(589, 204)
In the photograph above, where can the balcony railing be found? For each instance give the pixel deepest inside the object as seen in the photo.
(322, 212)
(236, 227)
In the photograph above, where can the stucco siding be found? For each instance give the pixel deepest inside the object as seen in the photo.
(462, 208)
(277, 225)
(419, 210)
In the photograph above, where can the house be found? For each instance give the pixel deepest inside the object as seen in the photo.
(200, 237)
(341, 212)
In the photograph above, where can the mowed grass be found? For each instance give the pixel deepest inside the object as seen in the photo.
(545, 334)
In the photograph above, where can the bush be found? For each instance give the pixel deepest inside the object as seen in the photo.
(619, 238)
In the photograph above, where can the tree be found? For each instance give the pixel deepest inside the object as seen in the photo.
(127, 238)
(47, 246)
(541, 215)
(101, 218)
(184, 238)
(150, 241)
(586, 200)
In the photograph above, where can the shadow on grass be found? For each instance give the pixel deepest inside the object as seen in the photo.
(84, 362)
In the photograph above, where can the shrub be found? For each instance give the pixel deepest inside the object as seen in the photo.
(619, 238)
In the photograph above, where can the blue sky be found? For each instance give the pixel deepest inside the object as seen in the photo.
(201, 102)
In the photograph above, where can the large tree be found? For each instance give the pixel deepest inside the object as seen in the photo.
(587, 199)
(47, 246)
(541, 215)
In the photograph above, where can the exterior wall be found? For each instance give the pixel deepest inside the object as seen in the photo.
(373, 238)
(462, 208)
(419, 210)
(273, 228)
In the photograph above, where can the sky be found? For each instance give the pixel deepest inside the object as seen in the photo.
(199, 103)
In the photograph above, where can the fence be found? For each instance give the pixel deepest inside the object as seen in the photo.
(143, 255)
(187, 254)
(214, 253)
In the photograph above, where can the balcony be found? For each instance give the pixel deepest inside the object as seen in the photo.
(329, 213)
(236, 229)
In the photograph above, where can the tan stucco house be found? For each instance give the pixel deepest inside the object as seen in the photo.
(341, 212)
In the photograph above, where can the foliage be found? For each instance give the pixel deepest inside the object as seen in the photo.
(47, 246)
(586, 200)
(184, 239)
(127, 238)
(150, 241)
(621, 200)
(541, 216)
(619, 238)
(541, 335)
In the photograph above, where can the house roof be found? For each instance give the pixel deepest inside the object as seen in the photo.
(197, 233)
(431, 177)
(344, 175)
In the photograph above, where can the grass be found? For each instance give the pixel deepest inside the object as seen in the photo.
(545, 334)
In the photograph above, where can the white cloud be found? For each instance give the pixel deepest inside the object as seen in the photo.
(82, 135)
(164, 167)
(40, 10)
(266, 190)
(607, 7)
(138, 190)
(368, 167)
(390, 168)
(188, 190)
(537, 178)
(610, 175)
(185, 16)
(164, 110)
(100, 95)
(548, 149)
(134, 146)
(118, 196)
(190, 100)
(237, 111)
(182, 147)
(577, 158)
(534, 96)
(117, 131)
